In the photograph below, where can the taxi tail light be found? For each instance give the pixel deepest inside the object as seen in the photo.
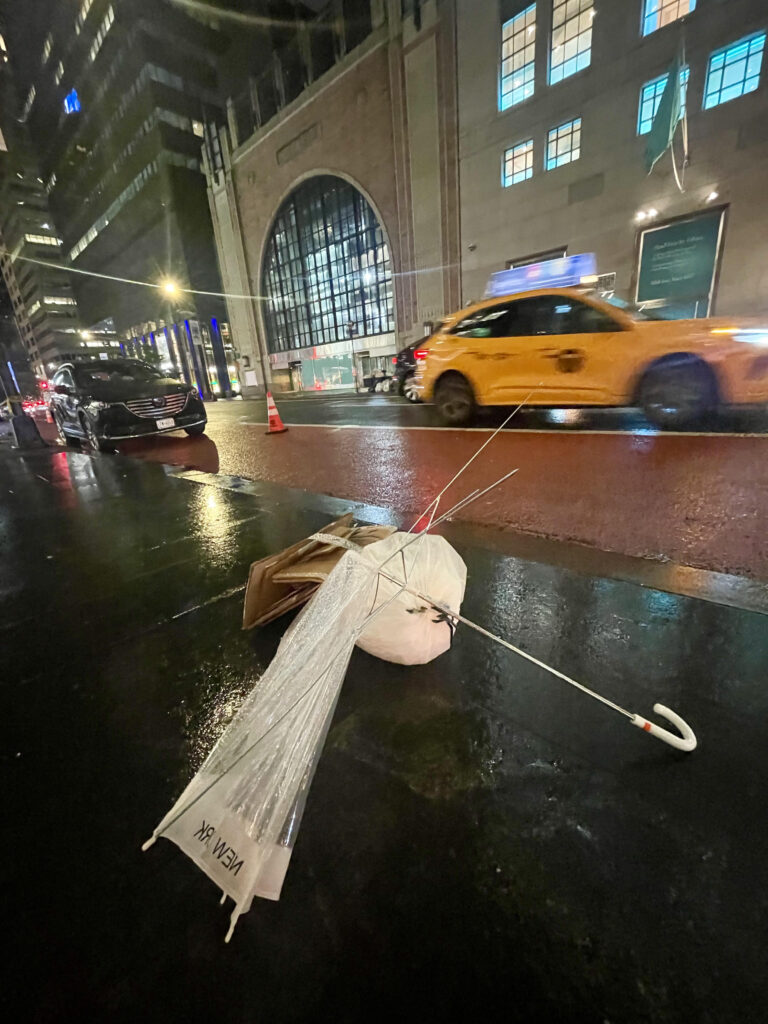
(420, 353)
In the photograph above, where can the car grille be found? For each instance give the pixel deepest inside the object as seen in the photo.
(146, 408)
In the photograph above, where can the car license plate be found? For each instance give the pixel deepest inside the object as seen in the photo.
(165, 424)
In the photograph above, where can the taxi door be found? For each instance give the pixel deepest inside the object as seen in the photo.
(486, 354)
(564, 350)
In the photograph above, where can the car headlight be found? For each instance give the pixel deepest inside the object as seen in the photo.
(750, 335)
(98, 406)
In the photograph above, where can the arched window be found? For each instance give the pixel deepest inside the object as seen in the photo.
(327, 274)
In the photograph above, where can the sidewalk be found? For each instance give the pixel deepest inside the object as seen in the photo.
(476, 836)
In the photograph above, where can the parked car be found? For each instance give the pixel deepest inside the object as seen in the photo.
(405, 371)
(116, 399)
(567, 347)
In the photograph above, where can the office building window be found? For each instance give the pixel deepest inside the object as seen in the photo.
(71, 102)
(101, 35)
(82, 14)
(571, 38)
(563, 144)
(734, 70)
(517, 164)
(650, 98)
(59, 73)
(518, 52)
(47, 47)
(658, 13)
(327, 274)
(28, 103)
(42, 239)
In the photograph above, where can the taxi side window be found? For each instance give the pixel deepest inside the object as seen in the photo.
(586, 319)
(485, 323)
(557, 314)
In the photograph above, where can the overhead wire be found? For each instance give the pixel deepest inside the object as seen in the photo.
(158, 285)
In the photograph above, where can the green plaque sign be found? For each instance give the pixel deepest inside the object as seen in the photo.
(678, 262)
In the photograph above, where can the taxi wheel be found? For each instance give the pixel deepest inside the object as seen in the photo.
(679, 394)
(454, 400)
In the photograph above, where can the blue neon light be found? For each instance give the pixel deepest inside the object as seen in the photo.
(71, 102)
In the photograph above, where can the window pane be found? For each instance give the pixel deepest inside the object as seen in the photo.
(571, 48)
(734, 70)
(563, 144)
(326, 267)
(657, 13)
(517, 164)
(650, 98)
(518, 46)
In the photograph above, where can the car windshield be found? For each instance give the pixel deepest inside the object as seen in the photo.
(115, 373)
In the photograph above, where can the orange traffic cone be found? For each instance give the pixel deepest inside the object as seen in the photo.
(274, 423)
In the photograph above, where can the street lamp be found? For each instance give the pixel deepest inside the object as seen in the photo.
(170, 288)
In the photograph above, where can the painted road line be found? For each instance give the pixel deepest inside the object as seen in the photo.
(640, 432)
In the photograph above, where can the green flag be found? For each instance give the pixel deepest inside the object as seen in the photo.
(667, 116)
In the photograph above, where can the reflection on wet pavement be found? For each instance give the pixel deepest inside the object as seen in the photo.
(477, 835)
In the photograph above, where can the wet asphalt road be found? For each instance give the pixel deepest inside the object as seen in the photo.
(612, 484)
(478, 839)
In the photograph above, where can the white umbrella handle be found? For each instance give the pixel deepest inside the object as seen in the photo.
(685, 742)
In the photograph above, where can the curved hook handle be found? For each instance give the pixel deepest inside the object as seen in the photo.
(688, 740)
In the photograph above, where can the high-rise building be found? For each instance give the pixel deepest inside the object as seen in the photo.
(115, 98)
(43, 304)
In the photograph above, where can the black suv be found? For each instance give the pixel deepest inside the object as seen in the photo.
(112, 400)
(405, 367)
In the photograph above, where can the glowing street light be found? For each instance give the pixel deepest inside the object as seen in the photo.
(171, 289)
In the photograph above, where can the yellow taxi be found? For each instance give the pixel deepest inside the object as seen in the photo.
(567, 347)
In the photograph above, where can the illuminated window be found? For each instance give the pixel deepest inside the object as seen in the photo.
(518, 51)
(658, 13)
(71, 102)
(28, 104)
(85, 6)
(42, 239)
(47, 47)
(101, 35)
(571, 38)
(59, 73)
(734, 71)
(114, 208)
(517, 164)
(327, 270)
(33, 308)
(650, 98)
(197, 128)
(563, 144)
(58, 300)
